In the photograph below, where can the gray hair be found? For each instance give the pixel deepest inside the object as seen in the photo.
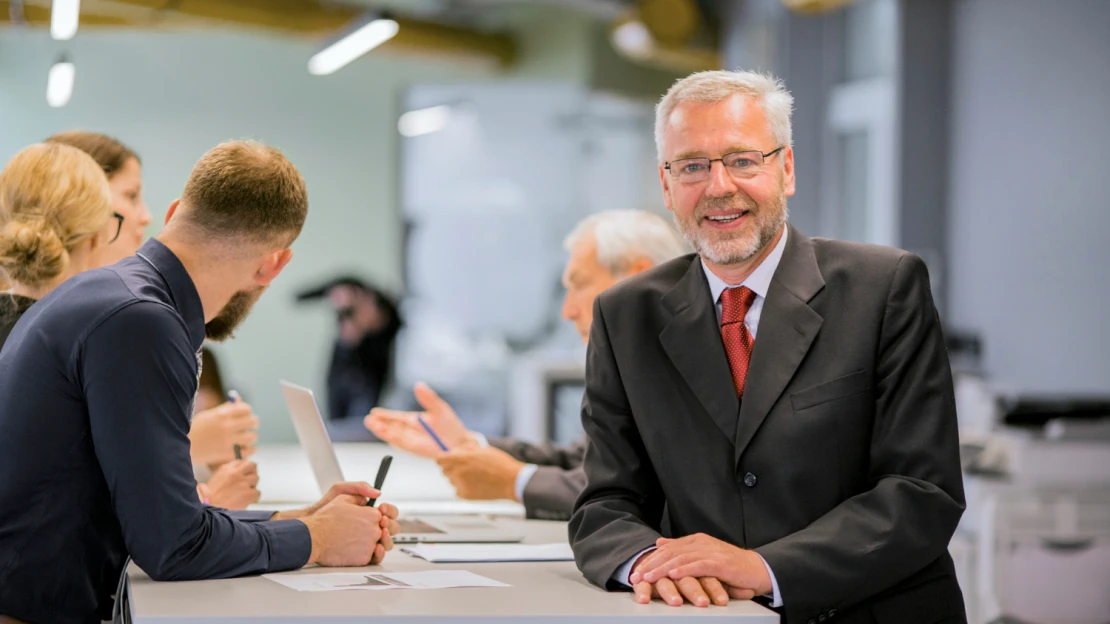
(623, 236)
(713, 86)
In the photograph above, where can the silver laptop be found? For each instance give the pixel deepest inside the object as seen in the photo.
(321, 456)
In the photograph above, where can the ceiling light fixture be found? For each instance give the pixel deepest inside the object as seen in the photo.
(64, 15)
(352, 45)
(424, 121)
(59, 84)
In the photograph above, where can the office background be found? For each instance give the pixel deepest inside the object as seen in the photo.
(972, 132)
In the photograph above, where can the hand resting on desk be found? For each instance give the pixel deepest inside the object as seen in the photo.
(345, 530)
(699, 568)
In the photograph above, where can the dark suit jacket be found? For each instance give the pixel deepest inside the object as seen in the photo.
(841, 467)
(551, 492)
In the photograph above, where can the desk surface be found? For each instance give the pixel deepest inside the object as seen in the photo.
(541, 593)
(415, 485)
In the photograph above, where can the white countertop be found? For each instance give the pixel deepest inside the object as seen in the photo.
(547, 593)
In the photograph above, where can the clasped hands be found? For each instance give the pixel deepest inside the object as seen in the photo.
(698, 569)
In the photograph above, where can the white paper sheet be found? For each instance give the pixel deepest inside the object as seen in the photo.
(374, 581)
(474, 553)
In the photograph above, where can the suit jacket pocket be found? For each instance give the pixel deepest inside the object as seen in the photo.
(831, 390)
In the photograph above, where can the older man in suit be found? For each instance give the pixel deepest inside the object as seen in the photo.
(773, 415)
(604, 249)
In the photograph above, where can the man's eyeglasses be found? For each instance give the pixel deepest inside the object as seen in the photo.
(739, 165)
(119, 226)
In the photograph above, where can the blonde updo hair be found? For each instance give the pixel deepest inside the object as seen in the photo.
(53, 197)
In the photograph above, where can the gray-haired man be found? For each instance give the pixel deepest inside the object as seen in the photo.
(604, 249)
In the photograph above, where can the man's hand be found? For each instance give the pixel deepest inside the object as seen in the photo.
(347, 533)
(215, 432)
(700, 592)
(355, 491)
(698, 556)
(233, 486)
(402, 430)
(482, 474)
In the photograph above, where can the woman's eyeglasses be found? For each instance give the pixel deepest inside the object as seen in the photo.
(119, 226)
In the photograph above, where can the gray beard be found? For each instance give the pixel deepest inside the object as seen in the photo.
(732, 250)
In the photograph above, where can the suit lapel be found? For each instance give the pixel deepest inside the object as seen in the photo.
(692, 340)
(787, 327)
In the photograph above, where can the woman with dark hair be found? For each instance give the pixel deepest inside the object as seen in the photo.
(125, 180)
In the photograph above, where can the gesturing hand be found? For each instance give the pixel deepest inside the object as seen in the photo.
(402, 430)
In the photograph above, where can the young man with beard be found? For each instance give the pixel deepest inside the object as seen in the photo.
(96, 389)
(773, 415)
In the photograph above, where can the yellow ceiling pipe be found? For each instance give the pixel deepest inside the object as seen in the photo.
(295, 17)
(815, 7)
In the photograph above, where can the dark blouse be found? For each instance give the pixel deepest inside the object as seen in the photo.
(12, 308)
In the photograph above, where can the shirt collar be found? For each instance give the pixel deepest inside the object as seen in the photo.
(760, 279)
(186, 299)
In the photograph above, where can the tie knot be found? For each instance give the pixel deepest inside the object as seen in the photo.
(735, 303)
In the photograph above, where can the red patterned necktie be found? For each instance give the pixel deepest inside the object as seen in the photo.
(735, 303)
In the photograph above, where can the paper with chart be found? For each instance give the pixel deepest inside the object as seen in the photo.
(481, 553)
(348, 581)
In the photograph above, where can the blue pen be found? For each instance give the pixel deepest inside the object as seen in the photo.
(431, 432)
(233, 397)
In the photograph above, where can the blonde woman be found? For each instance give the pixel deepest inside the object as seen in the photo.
(55, 218)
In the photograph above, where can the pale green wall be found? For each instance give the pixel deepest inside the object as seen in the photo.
(173, 96)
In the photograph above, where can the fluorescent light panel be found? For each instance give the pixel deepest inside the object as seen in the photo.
(59, 85)
(424, 121)
(352, 46)
(64, 16)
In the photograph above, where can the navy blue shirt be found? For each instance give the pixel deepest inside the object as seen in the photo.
(96, 388)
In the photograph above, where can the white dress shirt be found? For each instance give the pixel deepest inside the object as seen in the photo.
(759, 282)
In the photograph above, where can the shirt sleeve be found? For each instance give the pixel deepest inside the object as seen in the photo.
(776, 597)
(249, 515)
(523, 477)
(624, 572)
(138, 372)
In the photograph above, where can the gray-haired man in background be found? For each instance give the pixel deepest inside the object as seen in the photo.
(604, 249)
